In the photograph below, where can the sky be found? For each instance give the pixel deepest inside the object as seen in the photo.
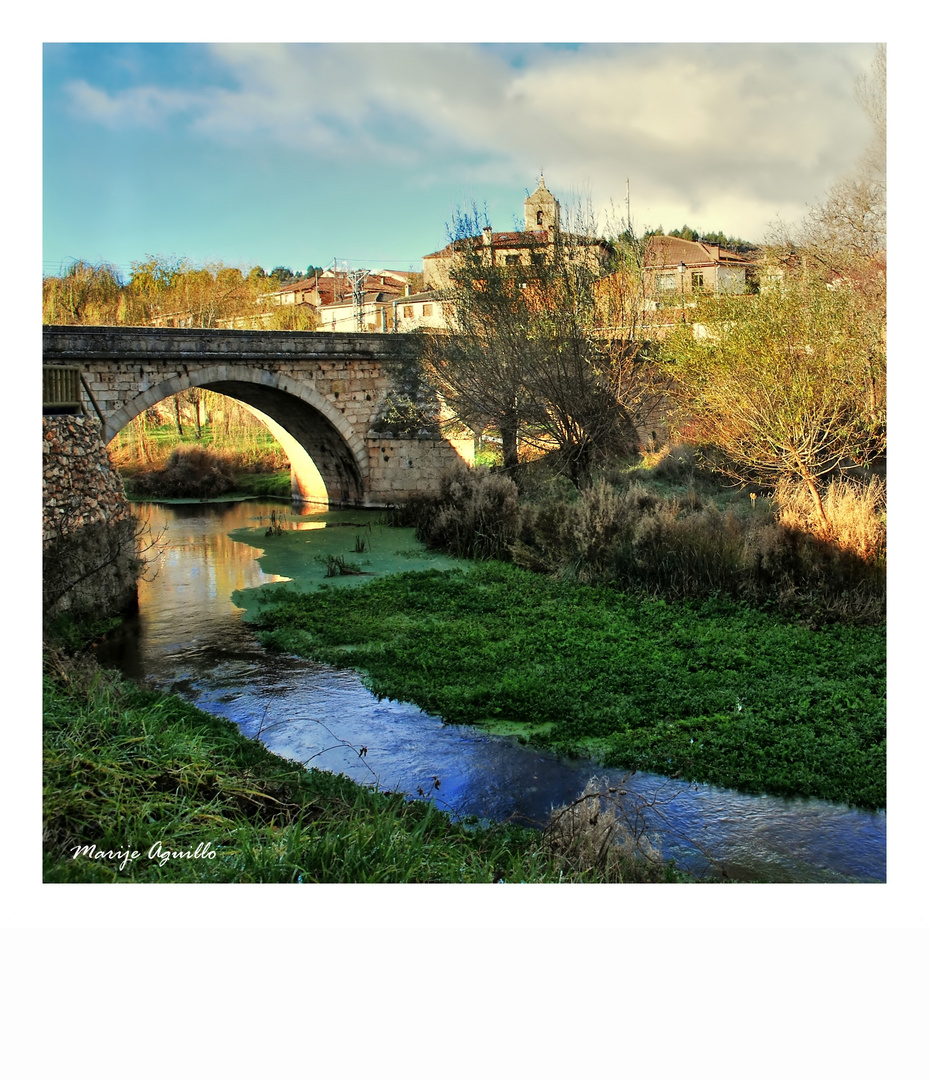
(297, 154)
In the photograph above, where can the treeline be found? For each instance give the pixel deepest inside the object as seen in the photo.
(170, 292)
(732, 243)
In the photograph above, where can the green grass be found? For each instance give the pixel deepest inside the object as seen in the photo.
(274, 485)
(712, 691)
(130, 771)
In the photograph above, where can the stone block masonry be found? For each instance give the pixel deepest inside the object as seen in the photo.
(344, 400)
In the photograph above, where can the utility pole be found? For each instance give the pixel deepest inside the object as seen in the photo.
(357, 279)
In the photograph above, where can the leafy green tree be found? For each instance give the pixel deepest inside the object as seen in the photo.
(787, 384)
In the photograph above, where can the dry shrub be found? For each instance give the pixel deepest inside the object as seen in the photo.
(807, 575)
(545, 542)
(856, 513)
(474, 516)
(599, 835)
(675, 547)
(687, 553)
(598, 523)
(191, 472)
(581, 538)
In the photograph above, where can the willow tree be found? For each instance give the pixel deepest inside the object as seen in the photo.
(787, 384)
(85, 293)
(168, 289)
(542, 343)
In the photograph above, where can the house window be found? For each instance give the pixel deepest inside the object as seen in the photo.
(538, 217)
(427, 310)
(667, 282)
(512, 260)
(696, 280)
(408, 311)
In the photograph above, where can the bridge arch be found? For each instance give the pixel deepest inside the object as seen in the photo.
(331, 399)
(329, 459)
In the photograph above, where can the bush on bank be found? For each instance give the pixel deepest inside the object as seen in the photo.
(200, 472)
(675, 536)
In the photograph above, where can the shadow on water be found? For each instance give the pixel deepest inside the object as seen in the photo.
(190, 638)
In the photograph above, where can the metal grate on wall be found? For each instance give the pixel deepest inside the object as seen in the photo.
(61, 389)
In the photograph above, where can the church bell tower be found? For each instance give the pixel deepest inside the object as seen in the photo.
(543, 211)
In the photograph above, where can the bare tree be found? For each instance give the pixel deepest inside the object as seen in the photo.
(544, 342)
(847, 232)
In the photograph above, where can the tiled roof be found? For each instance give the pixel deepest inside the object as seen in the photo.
(422, 297)
(504, 240)
(331, 288)
(371, 297)
(670, 251)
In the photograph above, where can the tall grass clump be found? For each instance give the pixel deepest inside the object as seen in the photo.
(682, 543)
(856, 514)
(674, 462)
(475, 514)
(596, 835)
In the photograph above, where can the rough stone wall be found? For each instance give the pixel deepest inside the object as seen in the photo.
(90, 556)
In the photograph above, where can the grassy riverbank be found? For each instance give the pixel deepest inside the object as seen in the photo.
(711, 690)
(201, 472)
(130, 771)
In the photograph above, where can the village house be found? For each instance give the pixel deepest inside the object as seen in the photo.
(331, 297)
(542, 216)
(419, 311)
(675, 267)
(675, 272)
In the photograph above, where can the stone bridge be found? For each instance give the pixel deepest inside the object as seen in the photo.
(353, 414)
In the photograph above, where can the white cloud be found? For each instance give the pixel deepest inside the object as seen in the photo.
(709, 127)
(139, 106)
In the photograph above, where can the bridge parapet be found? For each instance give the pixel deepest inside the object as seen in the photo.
(71, 344)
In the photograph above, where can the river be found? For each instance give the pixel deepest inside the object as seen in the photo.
(189, 637)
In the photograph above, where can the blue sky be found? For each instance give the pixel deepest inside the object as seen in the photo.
(291, 154)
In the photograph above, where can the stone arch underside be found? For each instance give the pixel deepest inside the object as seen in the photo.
(328, 459)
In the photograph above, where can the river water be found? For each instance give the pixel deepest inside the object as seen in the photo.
(189, 637)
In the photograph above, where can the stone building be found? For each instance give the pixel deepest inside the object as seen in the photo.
(542, 217)
(674, 266)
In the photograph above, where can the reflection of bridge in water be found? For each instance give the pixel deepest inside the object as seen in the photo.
(330, 399)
